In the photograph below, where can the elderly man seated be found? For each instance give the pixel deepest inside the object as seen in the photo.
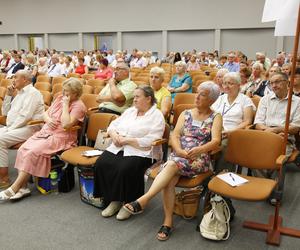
(27, 105)
(56, 69)
(117, 95)
(139, 61)
(231, 65)
(271, 111)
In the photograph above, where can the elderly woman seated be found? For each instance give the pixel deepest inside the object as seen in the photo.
(181, 81)
(104, 72)
(34, 156)
(255, 79)
(236, 108)
(162, 95)
(219, 79)
(119, 171)
(81, 67)
(197, 132)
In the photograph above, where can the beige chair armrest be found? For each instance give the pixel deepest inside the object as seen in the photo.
(281, 160)
(159, 142)
(93, 109)
(3, 120)
(36, 122)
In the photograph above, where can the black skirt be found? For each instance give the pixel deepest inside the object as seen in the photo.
(120, 178)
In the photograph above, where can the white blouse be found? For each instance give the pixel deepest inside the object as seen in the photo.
(232, 114)
(145, 129)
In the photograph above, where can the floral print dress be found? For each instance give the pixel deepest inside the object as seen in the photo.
(193, 134)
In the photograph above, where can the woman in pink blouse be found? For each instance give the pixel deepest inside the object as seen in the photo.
(34, 156)
(104, 72)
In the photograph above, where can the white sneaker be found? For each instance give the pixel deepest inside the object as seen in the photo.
(123, 214)
(112, 209)
(22, 193)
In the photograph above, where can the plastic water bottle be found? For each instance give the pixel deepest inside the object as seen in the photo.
(54, 181)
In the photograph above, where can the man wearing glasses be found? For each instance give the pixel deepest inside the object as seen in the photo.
(271, 110)
(117, 95)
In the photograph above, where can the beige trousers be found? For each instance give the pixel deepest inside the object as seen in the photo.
(11, 138)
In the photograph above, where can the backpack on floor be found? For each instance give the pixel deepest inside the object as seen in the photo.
(215, 223)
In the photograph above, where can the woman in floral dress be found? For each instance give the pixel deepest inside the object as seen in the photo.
(197, 132)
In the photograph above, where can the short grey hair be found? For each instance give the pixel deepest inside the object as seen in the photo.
(258, 64)
(222, 72)
(234, 76)
(181, 63)
(74, 85)
(214, 89)
(159, 71)
(26, 74)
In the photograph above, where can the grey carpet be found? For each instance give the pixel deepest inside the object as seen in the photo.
(64, 222)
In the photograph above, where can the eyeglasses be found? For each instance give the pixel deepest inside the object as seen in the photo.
(276, 82)
(228, 84)
(120, 69)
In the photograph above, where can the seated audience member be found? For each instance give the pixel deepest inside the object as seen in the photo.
(4, 62)
(181, 81)
(119, 171)
(42, 66)
(177, 58)
(235, 108)
(202, 60)
(231, 65)
(219, 79)
(197, 132)
(222, 60)
(265, 87)
(255, 79)
(68, 66)
(104, 72)
(17, 65)
(212, 61)
(193, 64)
(237, 111)
(271, 112)
(280, 59)
(31, 66)
(110, 56)
(245, 73)
(118, 58)
(162, 95)
(27, 105)
(261, 57)
(117, 95)
(296, 88)
(81, 68)
(139, 61)
(34, 156)
(56, 69)
(243, 65)
(286, 68)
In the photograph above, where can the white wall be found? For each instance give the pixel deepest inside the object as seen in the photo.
(142, 40)
(57, 16)
(288, 44)
(140, 23)
(63, 42)
(249, 41)
(188, 40)
(7, 42)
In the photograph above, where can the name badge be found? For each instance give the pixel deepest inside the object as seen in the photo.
(197, 124)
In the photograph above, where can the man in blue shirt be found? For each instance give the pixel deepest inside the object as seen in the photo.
(231, 65)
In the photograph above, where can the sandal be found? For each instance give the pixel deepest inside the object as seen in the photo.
(166, 231)
(135, 208)
(4, 196)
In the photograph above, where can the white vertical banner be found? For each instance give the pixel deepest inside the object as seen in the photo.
(285, 13)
